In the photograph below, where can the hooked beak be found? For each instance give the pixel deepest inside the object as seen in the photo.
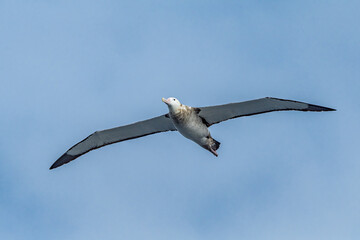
(164, 100)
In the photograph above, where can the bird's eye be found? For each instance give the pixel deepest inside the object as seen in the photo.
(174, 99)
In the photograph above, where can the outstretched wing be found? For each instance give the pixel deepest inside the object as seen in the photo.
(215, 114)
(102, 138)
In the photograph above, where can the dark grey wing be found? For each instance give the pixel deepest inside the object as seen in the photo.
(102, 138)
(215, 114)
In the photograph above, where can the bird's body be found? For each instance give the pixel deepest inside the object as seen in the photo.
(190, 125)
(191, 122)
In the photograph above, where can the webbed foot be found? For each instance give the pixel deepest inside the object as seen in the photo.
(213, 152)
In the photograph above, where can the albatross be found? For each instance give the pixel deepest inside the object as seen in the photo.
(192, 122)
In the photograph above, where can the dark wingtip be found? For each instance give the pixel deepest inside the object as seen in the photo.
(65, 158)
(317, 108)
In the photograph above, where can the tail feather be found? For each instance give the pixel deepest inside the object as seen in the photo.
(215, 144)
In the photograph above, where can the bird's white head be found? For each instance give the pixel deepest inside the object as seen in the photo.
(173, 104)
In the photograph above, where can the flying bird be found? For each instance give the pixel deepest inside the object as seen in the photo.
(191, 122)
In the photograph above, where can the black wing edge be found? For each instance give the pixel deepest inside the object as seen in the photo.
(311, 107)
(65, 158)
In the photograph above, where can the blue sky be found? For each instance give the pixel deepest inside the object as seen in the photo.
(68, 68)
